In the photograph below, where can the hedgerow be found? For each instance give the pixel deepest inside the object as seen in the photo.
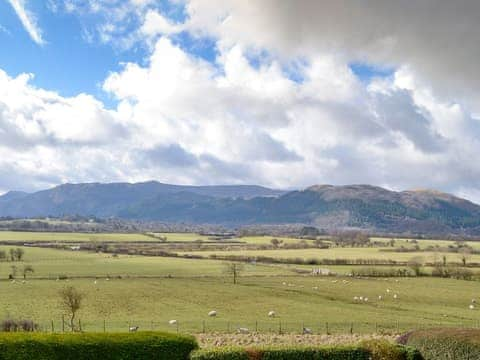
(446, 344)
(109, 346)
(366, 351)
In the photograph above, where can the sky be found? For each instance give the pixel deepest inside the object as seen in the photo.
(280, 93)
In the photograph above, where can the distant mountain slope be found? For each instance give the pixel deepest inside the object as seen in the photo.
(325, 206)
(105, 200)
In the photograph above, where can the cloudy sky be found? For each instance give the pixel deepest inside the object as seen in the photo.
(280, 93)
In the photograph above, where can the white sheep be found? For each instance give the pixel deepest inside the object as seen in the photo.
(133, 328)
(212, 313)
(472, 307)
(395, 296)
(172, 322)
(95, 282)
(243, 330)
(380, 297)
(388, 290)
(271, 314)
(355, 298)
(360, 298)
(307, 330)
(366, 299)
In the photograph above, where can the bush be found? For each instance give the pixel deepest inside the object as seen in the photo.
(138, 346)
(443, 344)
(220, 354)
(384, 350)
(366, 351)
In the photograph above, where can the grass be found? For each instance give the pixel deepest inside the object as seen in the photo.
(154, 290)
(310, 302)
(51, 263)
(70, 237)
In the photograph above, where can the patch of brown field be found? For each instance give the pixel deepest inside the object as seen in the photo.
(255, 339)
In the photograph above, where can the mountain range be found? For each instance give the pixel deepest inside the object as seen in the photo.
(325, 206)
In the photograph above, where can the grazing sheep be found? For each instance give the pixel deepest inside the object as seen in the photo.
(173, 322)
(471, 307)
(271, 313)
(242, 330)
(395, 296)
(380, 297)
(307, 330)
(474, 301)
(133, 328)
(212, 313)
(355, 298)
(360, 298)
(388, 290)
(284, 283)
(366, 299)
(95, 282)
(315, 288)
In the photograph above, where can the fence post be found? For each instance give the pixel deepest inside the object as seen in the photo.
(53, 328)
(80, 325)
(351, 329)
(104, 325)
(376, 328)
(256, 325)
(177, 326)
(203, 326)
(280, 327)
(63, 323)
(326, 328)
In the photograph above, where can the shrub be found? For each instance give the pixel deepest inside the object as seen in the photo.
(220, 354)
(443, 344)
(138, 346)
(384, 350)
(288, 353)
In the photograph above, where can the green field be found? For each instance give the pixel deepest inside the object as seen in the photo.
(149, 291)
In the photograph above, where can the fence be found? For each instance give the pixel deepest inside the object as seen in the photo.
(274, 326)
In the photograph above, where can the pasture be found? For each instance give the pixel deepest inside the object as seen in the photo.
(148, 291)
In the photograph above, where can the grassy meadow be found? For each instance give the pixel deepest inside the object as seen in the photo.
(148, 291)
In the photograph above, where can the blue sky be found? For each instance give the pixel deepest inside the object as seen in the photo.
(195, 92)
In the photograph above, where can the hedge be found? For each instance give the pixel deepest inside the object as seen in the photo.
(372, 350)
(443, 344)
(89, 346)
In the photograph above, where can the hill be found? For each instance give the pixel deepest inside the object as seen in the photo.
(324, 206)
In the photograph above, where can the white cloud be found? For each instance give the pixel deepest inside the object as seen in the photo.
(28, 20)
(278, 106)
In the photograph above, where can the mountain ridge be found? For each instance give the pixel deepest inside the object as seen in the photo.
(330, 207)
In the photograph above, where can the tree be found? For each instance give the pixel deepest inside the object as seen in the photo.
(416, 264)
(16, 254)
(27, 269)
(234, 269)
(275, 242)
(14, 272)
(71, 301)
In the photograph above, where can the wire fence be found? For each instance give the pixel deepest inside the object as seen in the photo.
(274, 326)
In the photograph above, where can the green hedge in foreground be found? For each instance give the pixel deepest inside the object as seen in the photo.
(446, 344)
(109, 346)
(372, 350)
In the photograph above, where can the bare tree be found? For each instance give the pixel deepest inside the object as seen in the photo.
(27, 269)
(416, 263)
(71, 301)
(233, 269)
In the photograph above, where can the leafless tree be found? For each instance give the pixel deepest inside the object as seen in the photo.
(71, 301)
(233, 269)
